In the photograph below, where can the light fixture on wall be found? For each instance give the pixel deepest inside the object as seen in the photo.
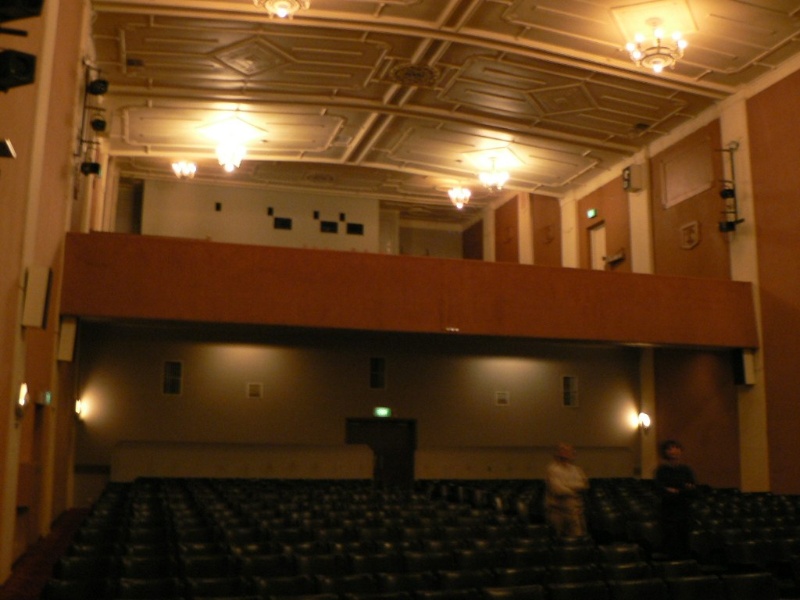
(493, 179)
(22, 401)
(283, 9)
(644, 422)
(657, 52)
(184, 169)
(79, 408)
(459, 196)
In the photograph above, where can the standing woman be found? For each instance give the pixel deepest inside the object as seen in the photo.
(677, 485)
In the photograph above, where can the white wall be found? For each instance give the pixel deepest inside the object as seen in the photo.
(429, 241)
(242, 215)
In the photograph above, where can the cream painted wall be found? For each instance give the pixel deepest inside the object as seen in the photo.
(429, 241)
(313, 382)
(188, 209)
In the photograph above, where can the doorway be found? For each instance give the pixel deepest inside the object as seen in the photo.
(393, 442)
(597, 247)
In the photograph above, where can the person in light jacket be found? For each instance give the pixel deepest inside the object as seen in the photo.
(566, 484)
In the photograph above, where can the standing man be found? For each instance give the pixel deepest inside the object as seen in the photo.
(678, 489)
(565, 485)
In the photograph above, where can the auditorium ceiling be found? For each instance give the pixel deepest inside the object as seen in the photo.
(400, 100)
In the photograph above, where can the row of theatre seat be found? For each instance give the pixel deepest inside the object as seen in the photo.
(334, 540)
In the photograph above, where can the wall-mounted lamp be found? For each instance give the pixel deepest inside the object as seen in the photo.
(644, 422)
(79, 408)
(22, 401)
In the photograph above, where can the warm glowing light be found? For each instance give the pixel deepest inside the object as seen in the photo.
(644, 421)
(230, 155)
(658, 52)
(22, 401)
(231, 135)
(459, 196)
(283, 9)
(493, 179)
(79, 407)
(184, 169)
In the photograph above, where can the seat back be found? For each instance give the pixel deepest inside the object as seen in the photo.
(695, 587)
(581, 590)
(516, 592)
(750, 586)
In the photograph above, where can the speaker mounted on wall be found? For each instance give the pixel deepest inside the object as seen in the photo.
(37, 296)
(10, 10)
(16, 68)
(67, 335)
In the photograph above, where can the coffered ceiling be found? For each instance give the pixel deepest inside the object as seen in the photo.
(399, 100)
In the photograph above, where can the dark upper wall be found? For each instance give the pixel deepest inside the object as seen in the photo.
(686, 207)
(506, 231)
(125, 276)
(774, 150)
(697, 406)
(546, 221)
(611, 204)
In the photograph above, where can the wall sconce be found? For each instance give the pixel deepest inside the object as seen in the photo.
(79, 408)
(22, 401)
(644, 422)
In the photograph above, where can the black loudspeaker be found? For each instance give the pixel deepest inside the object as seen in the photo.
(19, 9)
(16, 68)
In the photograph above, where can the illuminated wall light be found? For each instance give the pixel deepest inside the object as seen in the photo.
(591, 213)
(22, 401)
(382, 412)
(79, 408)
(643, 421)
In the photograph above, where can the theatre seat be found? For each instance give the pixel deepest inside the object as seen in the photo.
(516, 592)
(639, 589)
(582, 590)
(750, 586)
(695, 587)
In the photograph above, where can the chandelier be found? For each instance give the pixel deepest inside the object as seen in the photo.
(283, 9)
(656, 53)
(230, 155)
(459, 196)
(184, 169)
(493, 180)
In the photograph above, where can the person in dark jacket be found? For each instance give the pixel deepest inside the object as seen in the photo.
(677, 485)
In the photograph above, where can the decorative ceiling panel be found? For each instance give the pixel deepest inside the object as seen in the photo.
(398, 99)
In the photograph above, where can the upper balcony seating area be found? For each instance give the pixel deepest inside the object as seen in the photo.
(182, 539)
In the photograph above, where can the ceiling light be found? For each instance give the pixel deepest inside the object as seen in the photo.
(230, 155)
(184, 169)
(459, 196)
(283, 9)
(493, 180)
(657, 53)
